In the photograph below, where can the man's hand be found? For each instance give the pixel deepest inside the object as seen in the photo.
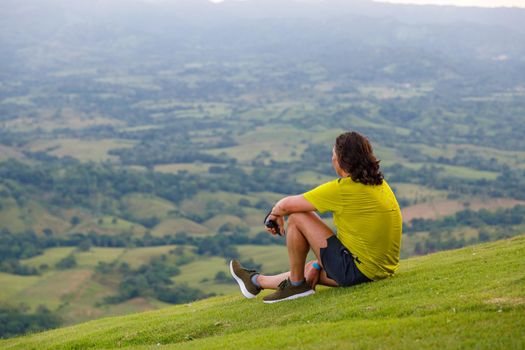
(285, 207)
(311, 274)
(280, 222)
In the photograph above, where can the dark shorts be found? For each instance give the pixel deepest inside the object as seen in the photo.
(340, 265)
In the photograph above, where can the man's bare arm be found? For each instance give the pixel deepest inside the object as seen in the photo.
(292, 204)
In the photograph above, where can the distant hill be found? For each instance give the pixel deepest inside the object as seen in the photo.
(468, 298)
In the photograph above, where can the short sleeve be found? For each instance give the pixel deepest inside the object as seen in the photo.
(325, 197)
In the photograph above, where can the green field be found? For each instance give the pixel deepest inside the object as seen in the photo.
(143, 206)
(281, 144)
(54, 286)
(57, 289)
(11, 216)
(173, 226)
(30, 216)
(201, 272)
(12, 285)
(217, 221)
(274, 258)
(421, 308)
(111, 223)
(418, 193)
(95, 255)
(191, 167)
(84, 150)
(50, 257)
(313, 179)
(137, 257)
(10, 152)
(468, 173)
(395, 91)
(75, 293)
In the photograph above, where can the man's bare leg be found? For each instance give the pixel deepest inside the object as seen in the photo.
(271, 282)
(305, 231)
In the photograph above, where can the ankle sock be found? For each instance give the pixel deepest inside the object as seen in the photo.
(254, 280)
(296, 284)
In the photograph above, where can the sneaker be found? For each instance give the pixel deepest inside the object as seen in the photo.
(244, 279)
(287, 291)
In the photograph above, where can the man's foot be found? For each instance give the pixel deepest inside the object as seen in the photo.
(244, 279)
(287, 291)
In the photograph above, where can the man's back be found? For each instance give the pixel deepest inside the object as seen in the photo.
(368, 221)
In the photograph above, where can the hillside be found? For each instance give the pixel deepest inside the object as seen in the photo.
(468, 298)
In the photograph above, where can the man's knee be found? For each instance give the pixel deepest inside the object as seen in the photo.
(295, 219)
(302, 220)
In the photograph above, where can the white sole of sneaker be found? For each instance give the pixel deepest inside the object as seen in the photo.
(244, 291)
(291, 297)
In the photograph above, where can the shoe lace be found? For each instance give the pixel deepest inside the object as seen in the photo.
(283, 284)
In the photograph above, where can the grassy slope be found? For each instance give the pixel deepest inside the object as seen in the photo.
(468, 298)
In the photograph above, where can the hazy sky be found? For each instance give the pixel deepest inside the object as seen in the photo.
(479, 3)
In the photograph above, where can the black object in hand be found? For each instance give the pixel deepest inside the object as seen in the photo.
(272, 224)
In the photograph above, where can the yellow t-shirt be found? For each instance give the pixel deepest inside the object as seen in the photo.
(368, 222)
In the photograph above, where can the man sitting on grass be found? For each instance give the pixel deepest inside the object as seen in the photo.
(368, 222)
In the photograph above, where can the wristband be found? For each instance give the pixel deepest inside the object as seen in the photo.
(316, 266)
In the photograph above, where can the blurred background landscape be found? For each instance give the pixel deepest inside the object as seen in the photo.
(143, 142)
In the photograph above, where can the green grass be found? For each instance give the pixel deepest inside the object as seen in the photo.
(418, 193)
(84, 150)
(468, 298)
(11, 216)
(49, 257)
(400, 91)
(40, 217)
(106, 225)
(10, 152)
(174, 226)
(281, 142)
(388, 155)
(274, 258)
(87, 302)
(31, 216)
(190, 167)
(312, 178)
(54, 286)
(138, 81)
(457, 171)
(254, 217)
(216, 222)
(74, 293)
(201, 272)
(515, 159)
(12, 285)
(144, 206)
(17, 100)
(112, 223)
(202, 201)
(468, 173)
(140, 256)
(95, 255)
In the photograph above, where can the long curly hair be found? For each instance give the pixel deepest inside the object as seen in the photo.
(355, 156)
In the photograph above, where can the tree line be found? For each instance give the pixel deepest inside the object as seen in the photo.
(69, 181)
(490, 225)
(477, 219)
(16, 320)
